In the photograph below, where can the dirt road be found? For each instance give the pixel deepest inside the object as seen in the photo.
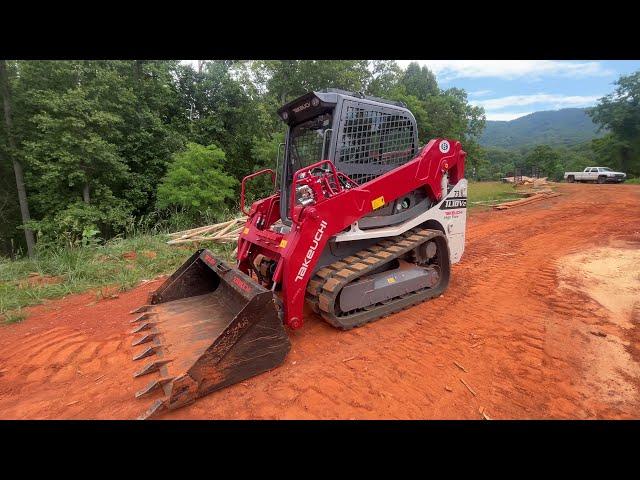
(539, 322)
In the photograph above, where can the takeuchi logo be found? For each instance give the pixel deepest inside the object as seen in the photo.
(242, 284)
(312, 250)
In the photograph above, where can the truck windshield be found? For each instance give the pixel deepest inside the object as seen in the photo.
(306, 141)
(605, 169)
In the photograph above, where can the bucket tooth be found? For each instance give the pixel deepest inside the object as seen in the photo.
(144, 316)
(151, 367)
(153, 410)
(140, 309)
(153, 386)
(147, 352)
(144, 326)
(144, 339)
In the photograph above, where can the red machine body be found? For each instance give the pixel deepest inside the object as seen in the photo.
(334, 209)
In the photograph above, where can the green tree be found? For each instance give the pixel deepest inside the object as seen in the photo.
(153, 128)
(196, 181)
(288, 79)
(619, 113)
(96, 135)
(546, 159)
(499, 163)
(11, 148)
(385, 77)
(72, 148)
(420, 82)
(220, 112)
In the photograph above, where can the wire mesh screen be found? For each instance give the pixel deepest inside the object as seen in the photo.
(307, 141)
(373, 141)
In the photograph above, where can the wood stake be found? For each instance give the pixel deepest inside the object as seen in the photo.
(460, 367)
(468, 387)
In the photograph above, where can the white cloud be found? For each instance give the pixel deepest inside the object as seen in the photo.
(480, 93)
(511, 69)
(505, 116)
(502, 108)
(548, 101)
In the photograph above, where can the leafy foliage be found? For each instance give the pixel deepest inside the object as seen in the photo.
(619, 113)
(195, 181)
(103, 143)
(111, 147)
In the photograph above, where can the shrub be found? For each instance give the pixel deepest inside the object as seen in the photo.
(195, 181)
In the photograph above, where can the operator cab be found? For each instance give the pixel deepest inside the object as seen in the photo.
(363, 136)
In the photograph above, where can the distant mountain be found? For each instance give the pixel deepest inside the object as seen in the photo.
(566, 127)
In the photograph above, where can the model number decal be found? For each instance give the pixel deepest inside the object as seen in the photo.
(451, 203)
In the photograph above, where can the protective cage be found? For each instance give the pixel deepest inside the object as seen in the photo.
(363, 136)
(373, 140)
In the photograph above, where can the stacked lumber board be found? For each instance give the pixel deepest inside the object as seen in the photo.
(224, 232)
(532, 191)
(527, 200)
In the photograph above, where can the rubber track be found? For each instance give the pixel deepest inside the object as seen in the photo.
(327, 283)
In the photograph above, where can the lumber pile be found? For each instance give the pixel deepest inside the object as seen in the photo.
(526, 181)
(224, 232)
(536, 197)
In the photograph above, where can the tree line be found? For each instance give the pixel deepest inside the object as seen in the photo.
(90, 149)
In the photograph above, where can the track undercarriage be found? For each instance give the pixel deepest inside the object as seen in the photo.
(385, 278)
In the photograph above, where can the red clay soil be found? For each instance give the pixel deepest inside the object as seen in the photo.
(505, 339)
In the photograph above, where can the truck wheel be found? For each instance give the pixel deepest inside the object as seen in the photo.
(602, 180)
(571, 179)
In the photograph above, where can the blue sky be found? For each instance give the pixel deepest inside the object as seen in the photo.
(509, 89)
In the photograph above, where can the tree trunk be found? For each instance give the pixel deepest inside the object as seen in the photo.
(17, 166)
(85, 193)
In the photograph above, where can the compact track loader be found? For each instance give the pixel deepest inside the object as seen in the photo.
(363, 223)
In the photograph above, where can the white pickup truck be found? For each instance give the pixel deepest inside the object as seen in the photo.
(595, 174)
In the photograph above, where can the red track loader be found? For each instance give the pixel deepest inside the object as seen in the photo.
(363, 223)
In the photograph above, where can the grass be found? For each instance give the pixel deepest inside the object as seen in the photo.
(633, 181)
(58, 272)
(489, 192)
